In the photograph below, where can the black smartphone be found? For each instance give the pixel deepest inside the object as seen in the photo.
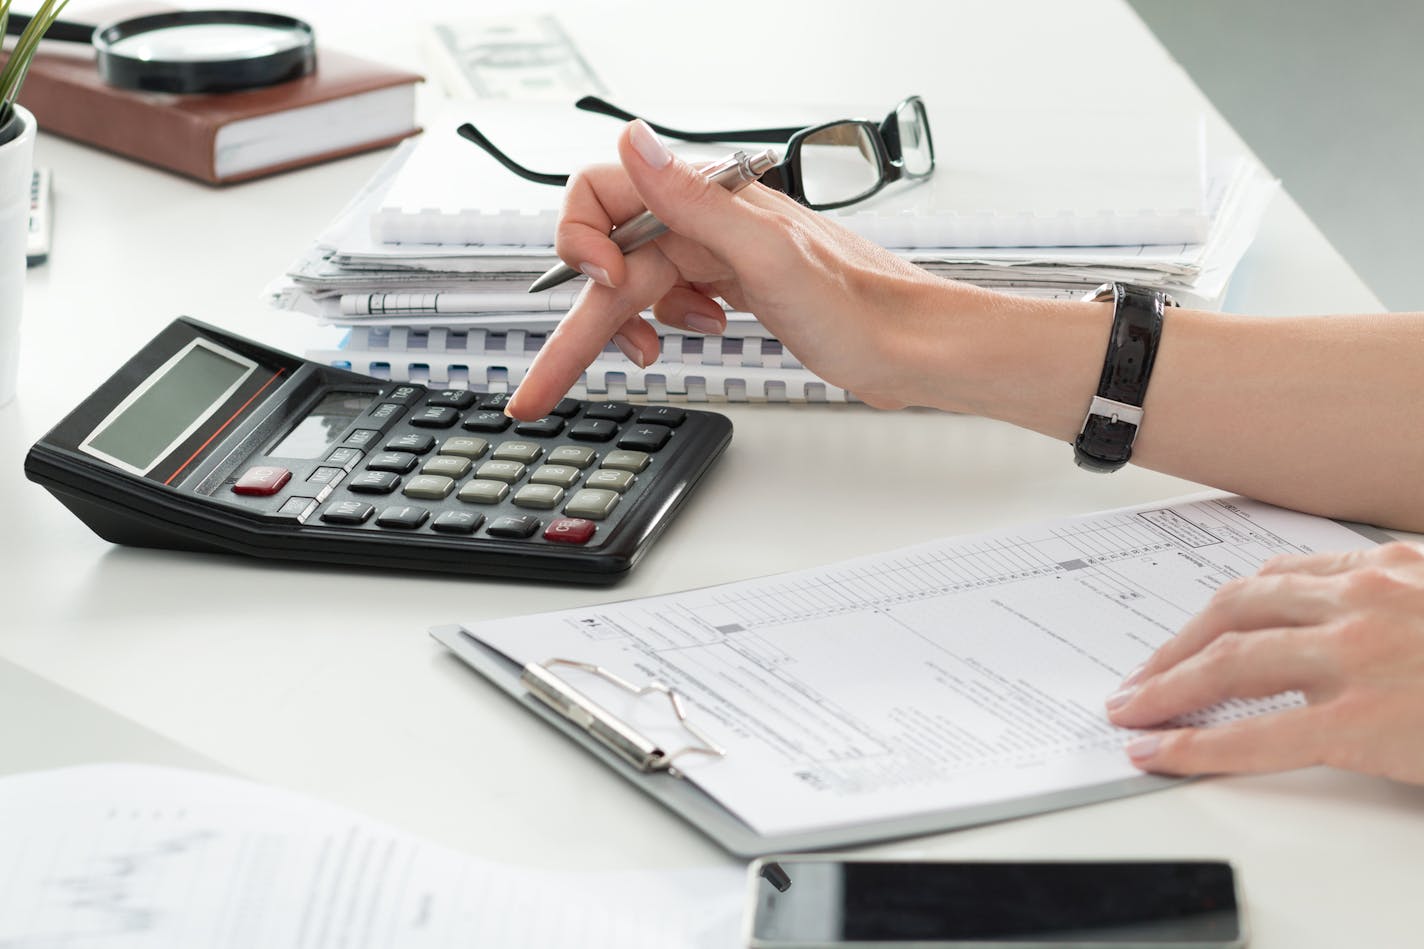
(818, 900)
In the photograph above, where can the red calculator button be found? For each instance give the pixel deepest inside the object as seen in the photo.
(570, 530)
(262, 480)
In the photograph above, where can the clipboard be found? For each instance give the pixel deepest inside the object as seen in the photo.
(652, 769)
(663, 783)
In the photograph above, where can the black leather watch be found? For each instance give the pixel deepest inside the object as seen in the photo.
(1104, 443)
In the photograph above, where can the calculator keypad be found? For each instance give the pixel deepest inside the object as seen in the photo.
(452, 463)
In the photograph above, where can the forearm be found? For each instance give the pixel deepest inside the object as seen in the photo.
(1320, 414)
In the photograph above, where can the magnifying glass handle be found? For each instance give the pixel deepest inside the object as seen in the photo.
(62, 30)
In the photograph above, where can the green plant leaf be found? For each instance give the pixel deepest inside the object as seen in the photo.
(12, 76)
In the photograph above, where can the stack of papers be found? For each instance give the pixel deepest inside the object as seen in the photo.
(429, 265)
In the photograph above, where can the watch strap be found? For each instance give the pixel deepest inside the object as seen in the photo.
(1110, 427)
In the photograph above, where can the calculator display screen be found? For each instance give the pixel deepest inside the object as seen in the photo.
(168, 406)
(323, 426)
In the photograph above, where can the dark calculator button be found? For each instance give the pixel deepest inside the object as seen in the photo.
(567, 408)
(458, 522)
(262, 481)
(403, 517)
(570, 530)
(645, 437)
(374, 482)
(668, 415)
(593, 430)
(412, 441)
(454, 398)
(397, 461)
(495, 402)
(514, 525)
(362, 437)
(326, 475)
(405, 395)
(616, 411)
(546, 427)
(344, 457)
(435, 417)
(385, 411)
(297, 507)
(346, 512)
(487, 421)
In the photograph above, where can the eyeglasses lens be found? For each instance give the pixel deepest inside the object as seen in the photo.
(916, 151)
(839, 163)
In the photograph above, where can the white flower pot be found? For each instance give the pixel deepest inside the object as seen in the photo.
(16, 162)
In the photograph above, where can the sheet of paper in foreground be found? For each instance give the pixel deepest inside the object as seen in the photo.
(130, 856)
(949, 675)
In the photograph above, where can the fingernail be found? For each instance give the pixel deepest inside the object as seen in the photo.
(702, 323)
(648, 145)
(595, 273)
(1120, 698)
(626, 347)
(1143, 747)
(1133, 676)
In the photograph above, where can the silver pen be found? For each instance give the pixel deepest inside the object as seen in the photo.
(734, 173)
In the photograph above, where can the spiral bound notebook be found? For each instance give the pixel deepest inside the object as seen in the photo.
(1004, 179)
(691, 369)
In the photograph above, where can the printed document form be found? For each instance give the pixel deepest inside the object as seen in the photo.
(952, 674)
(118, 856)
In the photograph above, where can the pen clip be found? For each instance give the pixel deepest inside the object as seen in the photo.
(614, 733)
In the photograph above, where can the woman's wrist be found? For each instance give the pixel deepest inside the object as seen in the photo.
(1034, 363)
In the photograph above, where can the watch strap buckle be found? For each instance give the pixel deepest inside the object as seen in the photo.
(1113, 411)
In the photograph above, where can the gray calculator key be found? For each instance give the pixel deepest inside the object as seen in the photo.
(575, 455)
(518, 451)
(565, 476)
(592, 503)
(609, 479)
(451, 466)
(483, 492)
(544, 496)
(465, 447)
(507, 471)
(623, 460)
(429, 487)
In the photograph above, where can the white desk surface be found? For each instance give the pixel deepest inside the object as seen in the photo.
(323, 680)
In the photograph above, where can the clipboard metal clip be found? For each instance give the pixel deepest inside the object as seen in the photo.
(617, 735)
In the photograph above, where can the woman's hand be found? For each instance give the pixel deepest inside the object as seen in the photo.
(847, 308)
(1347, 630)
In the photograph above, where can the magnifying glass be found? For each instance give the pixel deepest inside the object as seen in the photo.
(193, 50)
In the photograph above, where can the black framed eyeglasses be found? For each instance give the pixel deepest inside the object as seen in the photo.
(825, 166)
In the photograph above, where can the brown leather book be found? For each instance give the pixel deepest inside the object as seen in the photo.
(348, 105)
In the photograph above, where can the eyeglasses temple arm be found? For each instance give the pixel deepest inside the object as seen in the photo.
(769, 136)
(468, 131)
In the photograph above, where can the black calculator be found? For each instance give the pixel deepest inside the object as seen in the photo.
(207, 441)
